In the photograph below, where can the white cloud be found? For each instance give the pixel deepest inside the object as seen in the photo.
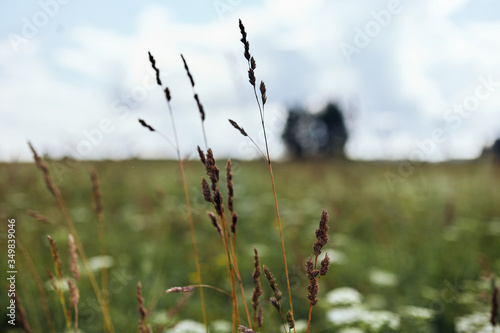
(417, 67)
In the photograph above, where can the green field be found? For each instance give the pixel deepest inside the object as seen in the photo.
(431, 243)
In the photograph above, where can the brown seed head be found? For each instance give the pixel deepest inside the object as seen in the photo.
(272, 283)
(219, 208)
(251, 77)
(263, 92)
(167, 94)
(42, 165)
(230, 189)
(313, 289)
(143, 123)
(73, 262)
(201, 154)
(187, 71)
(244, 41)
(325, 265)
(200, 107)
(213, 219)
(253, 65)
(274, 301)
(309, 266)
(235, 125)
(244, 329)
(290, 320)
(39, 217)
(153, 64)
(257, 290)
(321, 234)
(74, 293)
(234, 221)
(205, 190)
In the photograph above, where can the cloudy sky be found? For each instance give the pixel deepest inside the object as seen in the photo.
(416, 79)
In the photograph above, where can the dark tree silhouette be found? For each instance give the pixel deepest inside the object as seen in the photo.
(495, 149)
(319, 135)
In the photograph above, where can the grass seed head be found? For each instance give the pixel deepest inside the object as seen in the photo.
(290, 319)
(143, 123)
(153, 64)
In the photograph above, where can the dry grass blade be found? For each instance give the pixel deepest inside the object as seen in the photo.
(42, 165)
(39, 217)
(21, 319)
(62, 205)
(39, 283)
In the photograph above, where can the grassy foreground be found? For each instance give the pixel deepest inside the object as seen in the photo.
(430, 242)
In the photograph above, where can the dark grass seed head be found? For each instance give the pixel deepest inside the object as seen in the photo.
(188, 72)
(153, 64)
(325, 265)
(235, 125)
(143, 123)
(213, 219)
(205, 189)
(290, 319)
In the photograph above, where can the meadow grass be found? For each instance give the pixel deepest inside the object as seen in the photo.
(407, 259)
(408, 232)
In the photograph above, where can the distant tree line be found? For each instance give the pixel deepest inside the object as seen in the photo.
(319, 135)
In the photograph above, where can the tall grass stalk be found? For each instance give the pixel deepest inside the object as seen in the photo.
(98, 209)
(184, 184)
(41, 164)
(251, 75)
(39, 284)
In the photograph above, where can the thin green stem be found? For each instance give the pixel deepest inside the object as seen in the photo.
(190, 218)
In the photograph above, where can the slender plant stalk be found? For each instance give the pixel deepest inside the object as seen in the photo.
(195, 248)
(186, 194)
(251, 75)
(62, 205)
(190, 217)
(38, 280)
(93, 281)
(100, 233)
(236, 269)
